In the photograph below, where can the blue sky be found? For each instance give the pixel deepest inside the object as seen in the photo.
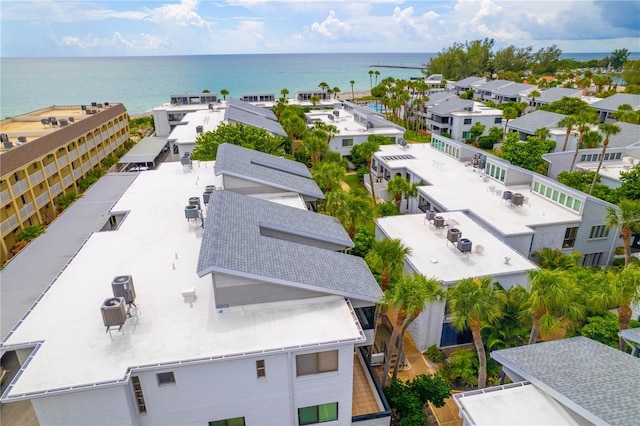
(190, 27)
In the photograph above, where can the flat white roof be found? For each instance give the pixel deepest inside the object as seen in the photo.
(518, 404)
(609, 169)
(347, 125)
(186, 133)
(159, 248)
(457, 187)
(434, 256)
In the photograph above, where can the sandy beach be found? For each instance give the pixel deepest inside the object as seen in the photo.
(356, 93)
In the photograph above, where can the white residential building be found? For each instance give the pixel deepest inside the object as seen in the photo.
(354, 124)
(459, 177)
(247, 313)
(447, 113)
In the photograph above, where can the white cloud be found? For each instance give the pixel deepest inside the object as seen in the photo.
(332, 27)
(182, 14)
(142, 42)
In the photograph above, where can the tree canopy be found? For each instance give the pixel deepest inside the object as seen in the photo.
(237, 134)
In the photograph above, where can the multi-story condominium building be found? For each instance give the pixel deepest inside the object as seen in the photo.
(169, 115)
(44, 155)
(466, 84)
(608, 106)
(459, 177)
(258, 97)
(553, 94)
(354, 124)
(247, 312)
(447, 113)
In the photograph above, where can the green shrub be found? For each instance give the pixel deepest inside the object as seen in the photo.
(461, 369)
(604, 329)
(434, 354)
(408, 398)
(30, 232)
(65, 200)
(361, 172)
(486, 142)
(387, 208)
(362, 241)
(109, 161)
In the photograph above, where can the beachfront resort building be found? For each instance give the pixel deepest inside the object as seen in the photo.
(354, 124)
(608, 106)
(466, 84)
(247, 312)
(43, 155)
(503, 91)
(562, 382)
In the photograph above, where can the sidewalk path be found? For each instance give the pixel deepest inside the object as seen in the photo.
(446, 415)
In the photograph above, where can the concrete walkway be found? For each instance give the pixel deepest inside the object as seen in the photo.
(446, 415)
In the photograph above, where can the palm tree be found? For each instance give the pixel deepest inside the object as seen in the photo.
(534, 94)
(224, 93)
(583, 121)
(371, 79)
(627, 216)
(472, 302)
(315, 145)
(552, 298)
(619, 290)
(569, 121)
(377, 74)
(323, 85)
(367, 149)
(353, 96)
(351, 208)
(314, 100)
(326, 173)
(548, 258)
(293, 124)
(608, 130)
(399, 186)
(336, 92)
(408, 297)
(387, 257)
(543, 133)
(509, 113)
(284, 93)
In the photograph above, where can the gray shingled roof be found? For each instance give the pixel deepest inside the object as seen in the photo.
(629, 135)
(450, 105)
(243, 116)
(439, 97)
(535, 120)
(632, 334)
(556, 93)
(494, 84)
(598, 382)
(613, 102)
(469, 81)
(232, 244)
(264, 168)
(256, 110)
(514, 89)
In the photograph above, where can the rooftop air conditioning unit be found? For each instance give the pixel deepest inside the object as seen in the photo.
(114, 312)
(464, 245)
(122, 286)
(453, 234)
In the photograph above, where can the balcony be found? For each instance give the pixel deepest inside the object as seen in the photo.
(67, 180)
(4, 196)
(42, 199)
(77, 173)
(27, 210)
(50, 169)
(63, 161)
(9, 224)
(19, 187)
(369, 405)
(73, 154)
(82, 148)
(36, 177)
(56, 189)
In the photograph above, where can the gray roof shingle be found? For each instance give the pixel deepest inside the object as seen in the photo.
(264, 168)
(243, 116)
(556, 93)
(469, 81)
(514, 89)
(535, 120)
(232, 243)
(494, 84)
(595, 380)
(613, 102)
(250, 108)
(450, 105)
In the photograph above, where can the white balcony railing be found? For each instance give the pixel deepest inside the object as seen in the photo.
(42, 199)
(27, 210)
(19, 187)
(50, 169)
(9, 224)
(56, 189)
(36, 177)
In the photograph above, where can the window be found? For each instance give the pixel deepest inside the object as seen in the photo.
(466, 135)
(318, 413)
(236, 421)
(591, 259)
(315, 363)
(166, 378)
(570, 237)
(599, 231)
(347, 142)
(261, 369)
(467, 121)
(498, 120)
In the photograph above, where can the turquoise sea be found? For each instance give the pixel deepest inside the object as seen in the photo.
(141, 83)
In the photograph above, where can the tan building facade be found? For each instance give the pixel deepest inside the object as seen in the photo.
(45, 153)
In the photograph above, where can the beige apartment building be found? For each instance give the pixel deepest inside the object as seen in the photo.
(43, 155)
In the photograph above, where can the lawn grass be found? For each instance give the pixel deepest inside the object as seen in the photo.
(412, 136)
(353, 181)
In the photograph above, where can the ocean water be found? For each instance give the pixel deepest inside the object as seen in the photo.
(142, 83)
